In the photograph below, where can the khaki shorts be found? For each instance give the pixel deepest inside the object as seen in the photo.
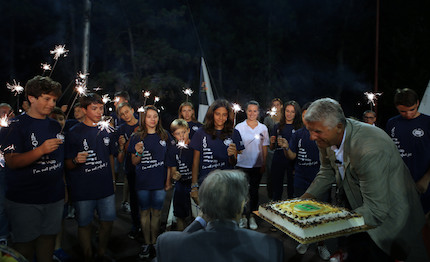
(30, 221)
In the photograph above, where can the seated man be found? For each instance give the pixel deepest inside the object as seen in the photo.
(222, 197)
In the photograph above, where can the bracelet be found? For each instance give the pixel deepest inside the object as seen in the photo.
(194, 190)
(139, 154)
(195, 185)
(74, 161)
(286, 148)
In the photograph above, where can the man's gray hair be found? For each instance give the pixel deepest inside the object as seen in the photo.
(326, 110)
(222, 193)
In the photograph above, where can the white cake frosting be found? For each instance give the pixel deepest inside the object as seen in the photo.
(307, 219)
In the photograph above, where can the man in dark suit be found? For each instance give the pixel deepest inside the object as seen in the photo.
(222, 197)
(374, 181)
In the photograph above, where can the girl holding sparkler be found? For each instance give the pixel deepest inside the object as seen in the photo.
(215, 144)
(253, 159)
(186, 112)
(290, 121)
(148, 147)
(180, 162)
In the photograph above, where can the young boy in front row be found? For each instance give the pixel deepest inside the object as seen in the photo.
(180, 162)
(34, 155)
(89, 158)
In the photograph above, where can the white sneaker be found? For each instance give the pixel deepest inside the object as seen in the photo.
(302, 248)
(252, 224)
(243, 222)
(323, 252)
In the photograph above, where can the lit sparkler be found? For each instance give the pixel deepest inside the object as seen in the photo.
(371, 98)
(116, 100)
(146, 95)
(4, 121)
(58, 51)
(46, 67)
(181, 144)
(188, 92)
(104, 124)
(15, 87)
(106, 99)
(236, 108)
(272, 112)
(141, 109)
(2, 161)
(156, 99)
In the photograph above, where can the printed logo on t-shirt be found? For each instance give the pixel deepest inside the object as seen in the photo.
(106, 140)
(393, 132)
(34, 141)
(85, 143)
(162, 143)
(205, 143)
(195, 128)
(228, 141)
(418, 132)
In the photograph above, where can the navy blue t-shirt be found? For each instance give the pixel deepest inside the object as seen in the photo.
(182, 159)
(42, 181)
(412, 137)
(151, 171)
(213, 152)
(93, 179)
(194, 126)
(69, 124)
(286, 133)
(307, 162)
(126, 131)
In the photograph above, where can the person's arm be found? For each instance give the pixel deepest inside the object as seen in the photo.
(195, 177)
(232, 154)
(80, 158)
(423, 183)
(263, 165)
(121, 149)
(272, 142)
(282, 142)
(325, 177)
(168, 185)
(135, 158)
(19, 160)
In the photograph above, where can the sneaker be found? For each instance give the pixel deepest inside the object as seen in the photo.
(125, 207)
(134, 233)
(243, 222)
(60, 255)
(323, 252)
(252, 224)
(302, 248)
(144, 253)
(70, 212)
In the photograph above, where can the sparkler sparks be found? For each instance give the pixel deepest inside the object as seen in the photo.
(15, 87)
(272, 112)
(81, 83)
(104, 124)
(106, 99)
(4, 121)
(188, 91)
(181, 144)
(372, 97)
(46, 67)
(146, 94)
(116, 100)
(236, 108)
(58, 51)
(141, 109)
(156, 99)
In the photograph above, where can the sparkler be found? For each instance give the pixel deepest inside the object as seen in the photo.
(16, 89)
(58, 51)
(256, 137)
(181, 145)
(236, 108)
(104, 124)
(106, 99)
(156, 99)
(4, 121)
(116, 100)
(188, 92)
(146, 94)
(46, 67)
(272, 112)
(372, 98)
(141, 109)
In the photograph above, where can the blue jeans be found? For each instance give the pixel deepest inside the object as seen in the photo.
(151, 199)
(4, 225)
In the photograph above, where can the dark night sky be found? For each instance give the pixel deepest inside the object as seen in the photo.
(299, 50)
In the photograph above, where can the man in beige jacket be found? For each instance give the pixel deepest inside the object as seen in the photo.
(373, 180)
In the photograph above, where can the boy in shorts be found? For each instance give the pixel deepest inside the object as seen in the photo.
(180, 162)
(89, 159)
(34, 155)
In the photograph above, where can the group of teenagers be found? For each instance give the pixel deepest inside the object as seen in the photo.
(47, 162)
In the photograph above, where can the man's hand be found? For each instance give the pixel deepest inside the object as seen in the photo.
(81, 157)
